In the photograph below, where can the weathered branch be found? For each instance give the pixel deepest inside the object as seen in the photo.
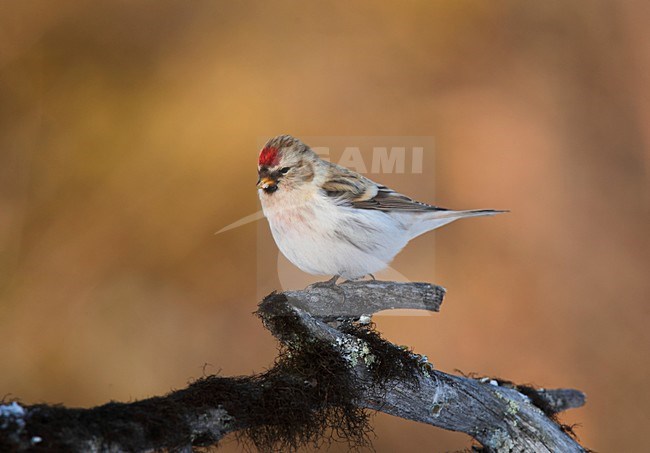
(354, 300)
(501, 418)
(324, 378)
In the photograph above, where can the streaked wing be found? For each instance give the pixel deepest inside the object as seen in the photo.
(347, 187)
(389, 200)
(353, 189)
(350, 188)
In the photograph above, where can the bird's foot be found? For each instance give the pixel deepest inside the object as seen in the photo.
(362, 278)
(331, 283)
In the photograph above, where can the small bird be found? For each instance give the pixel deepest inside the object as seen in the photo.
(329, 220)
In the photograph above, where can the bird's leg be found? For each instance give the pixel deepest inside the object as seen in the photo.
(358, 279)
(331, 283)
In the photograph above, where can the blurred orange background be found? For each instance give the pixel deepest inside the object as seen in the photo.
(129, 133)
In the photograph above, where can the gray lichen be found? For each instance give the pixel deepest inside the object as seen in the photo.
(12, 413)
(512, 407)
(500, 442)
(355, 351)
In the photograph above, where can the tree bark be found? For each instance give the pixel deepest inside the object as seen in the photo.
(330, 370)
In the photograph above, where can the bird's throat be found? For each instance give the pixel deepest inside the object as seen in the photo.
(270, 189)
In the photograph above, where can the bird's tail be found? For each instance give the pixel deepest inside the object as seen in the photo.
(461, 214)
(436, 219)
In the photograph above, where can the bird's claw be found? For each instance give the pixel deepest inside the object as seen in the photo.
(331, 283)
(360, 279)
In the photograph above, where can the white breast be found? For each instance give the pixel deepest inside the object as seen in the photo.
(323, 238)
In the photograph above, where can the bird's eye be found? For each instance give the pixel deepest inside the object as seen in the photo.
(284, 170)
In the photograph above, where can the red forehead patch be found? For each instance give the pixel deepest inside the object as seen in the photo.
(269, 156)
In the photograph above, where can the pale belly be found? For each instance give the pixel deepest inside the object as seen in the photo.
(323, 239)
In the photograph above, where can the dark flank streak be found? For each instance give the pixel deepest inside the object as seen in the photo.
(358, 224)
(345, 238)
(362, 245)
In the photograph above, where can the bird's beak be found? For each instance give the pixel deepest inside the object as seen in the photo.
(264, 182)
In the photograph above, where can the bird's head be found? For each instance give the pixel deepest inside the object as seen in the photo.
(284, 162)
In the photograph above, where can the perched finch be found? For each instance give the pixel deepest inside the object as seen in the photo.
(329, 220)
